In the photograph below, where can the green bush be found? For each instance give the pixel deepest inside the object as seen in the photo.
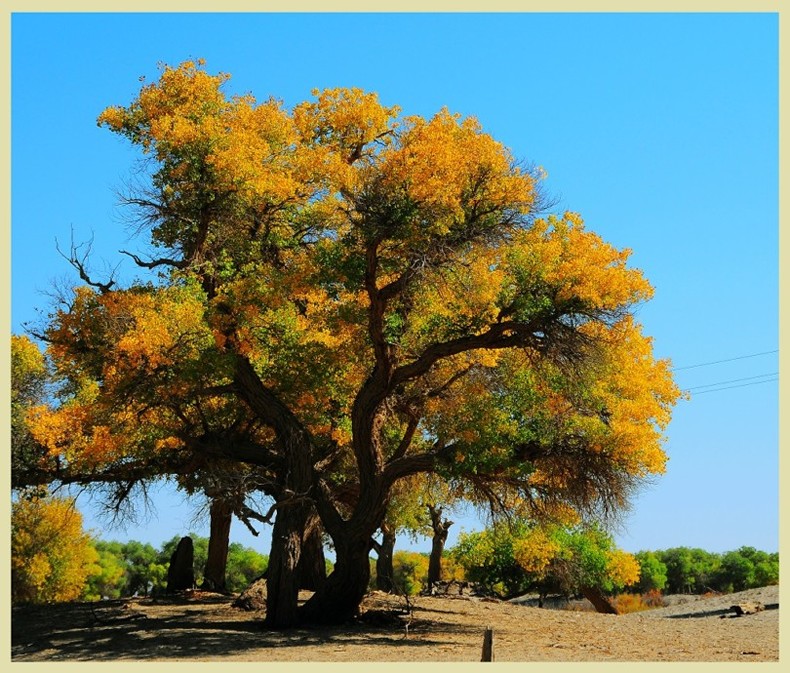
(409, 572)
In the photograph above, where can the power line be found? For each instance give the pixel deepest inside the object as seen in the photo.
(742, 385)
(721, 383)
(716, 362)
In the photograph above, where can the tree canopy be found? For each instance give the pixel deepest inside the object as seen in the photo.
(344, 297)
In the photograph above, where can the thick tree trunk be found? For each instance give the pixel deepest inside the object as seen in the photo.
(295, 511)
(311, 569)
(219, 537)
(338, 600)
(282, 579)
(384, 569)
(600, 602)
(440, 531)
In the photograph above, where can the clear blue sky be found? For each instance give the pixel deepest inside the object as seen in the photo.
(660, 129)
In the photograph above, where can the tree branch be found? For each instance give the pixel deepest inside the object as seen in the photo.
(438, 392)
(162, 261)
(501, 335)
(405, 441)
(79, 263)
(409, 465)
(265, 403)
(378, 305)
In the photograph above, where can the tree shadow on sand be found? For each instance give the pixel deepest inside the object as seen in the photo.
(723, 612)
(110, 630)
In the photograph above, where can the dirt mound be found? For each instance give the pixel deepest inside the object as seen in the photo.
(253, 597)
(716, 605)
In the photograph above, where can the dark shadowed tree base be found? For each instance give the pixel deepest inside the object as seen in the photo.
(180, 573)
(339, 599)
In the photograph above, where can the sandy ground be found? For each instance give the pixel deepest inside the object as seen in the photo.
(206, 628)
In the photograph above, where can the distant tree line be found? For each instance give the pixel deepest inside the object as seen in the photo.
(129, 568)
(511, 560)
(692, 570)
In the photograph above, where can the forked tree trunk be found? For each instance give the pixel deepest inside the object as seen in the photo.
(339, 599)
(440, 531)
(384, 569)
(219, 537)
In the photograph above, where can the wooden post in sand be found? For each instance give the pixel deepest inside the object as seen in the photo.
(488, 645)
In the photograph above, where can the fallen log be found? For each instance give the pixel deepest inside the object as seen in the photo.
(742, 609)
(600, 602)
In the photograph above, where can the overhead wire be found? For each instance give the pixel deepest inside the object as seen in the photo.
(721, 383)
(716, 362)
(742, 385)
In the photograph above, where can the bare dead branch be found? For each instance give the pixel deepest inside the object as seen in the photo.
(152, 264)
(79, 262)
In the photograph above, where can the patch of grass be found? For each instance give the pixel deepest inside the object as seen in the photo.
(626, 603)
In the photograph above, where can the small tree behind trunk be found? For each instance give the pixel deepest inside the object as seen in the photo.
(219, 537)
(384, 570)
(440, 531)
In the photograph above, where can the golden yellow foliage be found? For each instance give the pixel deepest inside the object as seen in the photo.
(51, 556)
(535, 551)
(27, 361)
(180, 109)
(451, 169)
(622, 568)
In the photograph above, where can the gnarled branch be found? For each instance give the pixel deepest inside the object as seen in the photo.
(78, 261)
(152, 264)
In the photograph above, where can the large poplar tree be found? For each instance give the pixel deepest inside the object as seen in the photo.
(346, 297)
